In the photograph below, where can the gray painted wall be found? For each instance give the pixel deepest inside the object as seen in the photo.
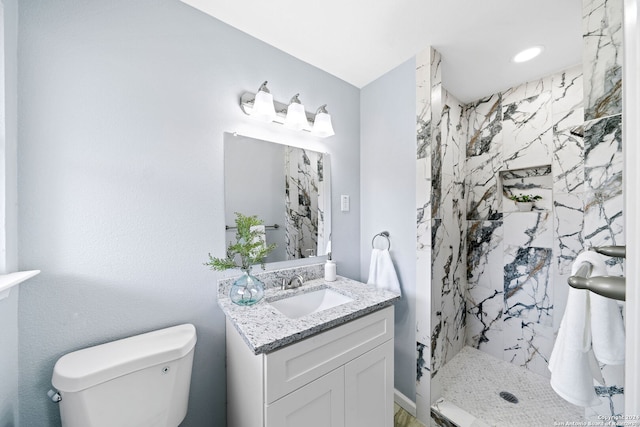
(9, 360)
(8, 220)
(387, 187)
(123, 106)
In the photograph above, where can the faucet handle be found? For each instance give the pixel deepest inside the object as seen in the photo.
(292, 282)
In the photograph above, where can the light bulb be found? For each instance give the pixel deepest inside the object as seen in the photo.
(263, 108)
(296, 115)
(322, 126)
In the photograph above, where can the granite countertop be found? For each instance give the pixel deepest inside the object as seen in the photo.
(265, 329)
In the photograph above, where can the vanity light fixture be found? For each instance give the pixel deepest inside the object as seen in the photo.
(528, 54)
(262, 106)
(296, 116)
(322, 123)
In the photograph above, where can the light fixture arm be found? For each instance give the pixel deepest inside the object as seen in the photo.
(322, 109)
(263, 87)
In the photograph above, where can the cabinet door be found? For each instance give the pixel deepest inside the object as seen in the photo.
(369, 388)
(318, 404)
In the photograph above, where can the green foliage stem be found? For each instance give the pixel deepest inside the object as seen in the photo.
(249, 248)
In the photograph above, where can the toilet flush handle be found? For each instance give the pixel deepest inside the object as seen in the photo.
(54, 395)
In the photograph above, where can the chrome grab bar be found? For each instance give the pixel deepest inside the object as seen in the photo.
(612, 251)
(608, 286)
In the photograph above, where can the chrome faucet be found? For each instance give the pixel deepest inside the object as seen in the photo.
(291, 283)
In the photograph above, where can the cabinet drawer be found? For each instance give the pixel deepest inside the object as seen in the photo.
(298, 364)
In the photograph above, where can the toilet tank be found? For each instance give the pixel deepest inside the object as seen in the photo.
(140, 381)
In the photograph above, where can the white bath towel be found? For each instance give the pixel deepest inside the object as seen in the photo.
(261, 237)
(588, 323)
(607, 330)
(382, 273)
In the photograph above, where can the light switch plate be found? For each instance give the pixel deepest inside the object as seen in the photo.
(344, 203)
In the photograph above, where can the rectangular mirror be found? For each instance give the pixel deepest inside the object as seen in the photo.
(288, 188)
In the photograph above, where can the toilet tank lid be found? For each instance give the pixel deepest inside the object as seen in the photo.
(94, 365)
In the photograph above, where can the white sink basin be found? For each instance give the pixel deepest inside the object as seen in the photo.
(310, 302)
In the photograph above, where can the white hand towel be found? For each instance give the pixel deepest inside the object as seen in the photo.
(571, 375)
(382, 273)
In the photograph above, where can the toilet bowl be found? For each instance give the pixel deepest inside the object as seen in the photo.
(140, 381)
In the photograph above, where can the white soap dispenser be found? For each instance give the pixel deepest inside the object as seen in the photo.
(329, 269)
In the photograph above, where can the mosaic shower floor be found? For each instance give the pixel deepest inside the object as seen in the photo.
(473, 380)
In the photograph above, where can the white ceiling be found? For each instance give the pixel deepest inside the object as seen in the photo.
(364, 39)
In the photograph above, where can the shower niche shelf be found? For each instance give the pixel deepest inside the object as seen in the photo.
(534, 180)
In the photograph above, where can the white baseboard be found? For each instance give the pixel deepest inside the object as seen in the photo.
(404, 402)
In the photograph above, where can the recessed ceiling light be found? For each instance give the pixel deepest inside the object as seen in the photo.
(528, 54)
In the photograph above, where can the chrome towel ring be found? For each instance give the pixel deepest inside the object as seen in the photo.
(384, 234)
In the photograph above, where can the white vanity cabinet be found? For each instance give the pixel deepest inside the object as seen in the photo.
(342, 377)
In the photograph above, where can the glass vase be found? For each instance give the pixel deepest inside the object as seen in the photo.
(247, 289)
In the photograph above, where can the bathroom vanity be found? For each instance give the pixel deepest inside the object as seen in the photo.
(333, 367)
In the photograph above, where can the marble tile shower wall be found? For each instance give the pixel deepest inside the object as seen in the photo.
(559, 136)
(441, 276)
(448, 230)
(304, 219)
(603, 162)
(514, 313)
(423, 225)
(441, 225)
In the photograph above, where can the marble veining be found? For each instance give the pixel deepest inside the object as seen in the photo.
(529, 229)
(566, 91)
(603, 155)
(303, 184)
(527, 90)
(569, 224)
(484, 125)
(448, 242)
(485, 309)
(424, 141)
(611, 394)
(471, 158)
(482, 187)
(527, 344)
(603, 220)
(568, 162)
(513, 314)
(422, 366)
(602, 44)
(484, 252)
(265, 329)
(527, 125)
(423, 104)
(527, 291)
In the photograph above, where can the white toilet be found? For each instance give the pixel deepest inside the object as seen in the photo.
(141, 381)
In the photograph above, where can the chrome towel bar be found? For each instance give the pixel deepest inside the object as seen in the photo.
(608, 286)
(384, 234)
(268, 227)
